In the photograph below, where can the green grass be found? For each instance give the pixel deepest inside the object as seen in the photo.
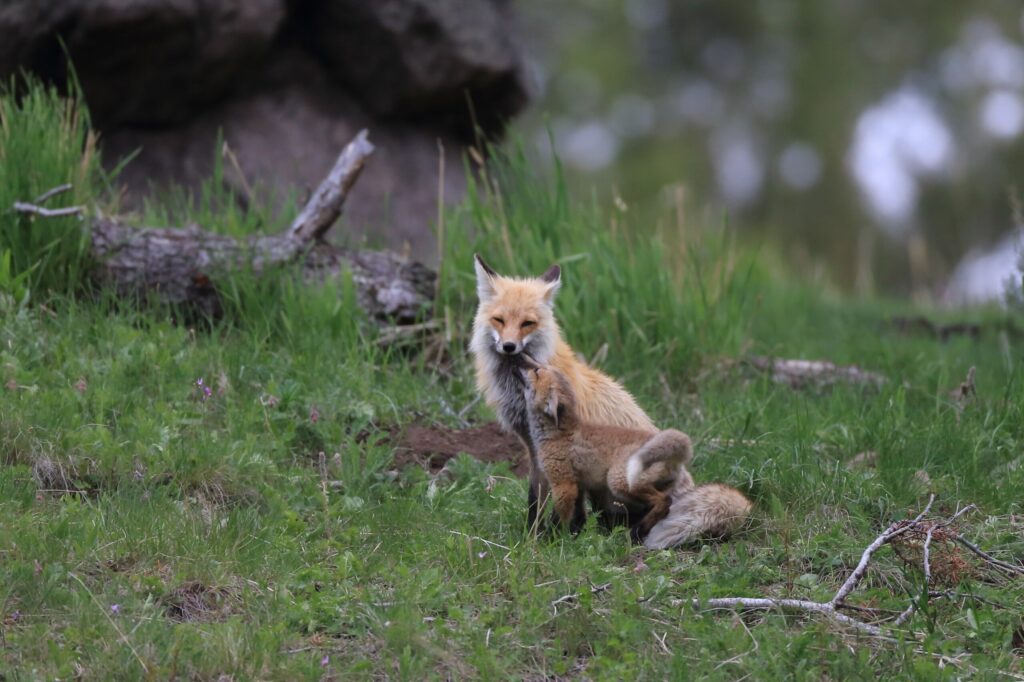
(45, 142)
(229, 547)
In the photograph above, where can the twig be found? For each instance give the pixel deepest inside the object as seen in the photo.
(23, 207)
(988, 557)
(927, 563)
(830, 609)
(928, 559)
(954, 517)
(49, 194)
(573, 596)
(469, 406)
(124, 637)
(858, 573)
(825, 608)
(948, 594)
(486, 542)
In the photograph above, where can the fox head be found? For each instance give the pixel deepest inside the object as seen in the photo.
(515, 315)
(549, 395)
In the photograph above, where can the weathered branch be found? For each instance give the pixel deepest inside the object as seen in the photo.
(988, 557)
(930, 528)
(824, 608)
(188, 266)
(801, 373)
(49, 194)
(862, 566)
(24, 207)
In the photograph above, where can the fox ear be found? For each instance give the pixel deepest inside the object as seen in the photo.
(553, 278)
(484, 278)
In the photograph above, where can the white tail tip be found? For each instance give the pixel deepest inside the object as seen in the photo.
(633, 470)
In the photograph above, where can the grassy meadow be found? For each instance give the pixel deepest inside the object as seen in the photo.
(156, 527)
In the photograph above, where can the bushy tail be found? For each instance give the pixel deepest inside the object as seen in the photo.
(707, 511)
(669, 446)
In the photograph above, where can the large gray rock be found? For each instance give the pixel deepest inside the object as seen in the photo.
(424, 58)
(145, 62)
(286, 136)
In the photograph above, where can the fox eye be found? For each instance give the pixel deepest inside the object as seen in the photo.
(527, 324)
(499, 320)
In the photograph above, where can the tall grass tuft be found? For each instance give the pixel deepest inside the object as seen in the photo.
(45, 141)
(234, 207)
(691, 298)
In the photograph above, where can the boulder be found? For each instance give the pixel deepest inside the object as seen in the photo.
(285, 136)
(424, 58)
(140, 62)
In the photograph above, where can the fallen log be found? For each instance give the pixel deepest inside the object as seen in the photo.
(186, 267)
(821, 373)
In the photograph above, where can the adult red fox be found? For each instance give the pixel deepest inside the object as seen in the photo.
(516, 316)
(514, 328)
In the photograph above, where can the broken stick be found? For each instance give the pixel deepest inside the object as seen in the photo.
(830, 608)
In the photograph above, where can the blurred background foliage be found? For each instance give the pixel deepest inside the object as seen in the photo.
(880, 141)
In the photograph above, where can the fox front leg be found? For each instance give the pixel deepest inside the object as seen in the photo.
(569, 505)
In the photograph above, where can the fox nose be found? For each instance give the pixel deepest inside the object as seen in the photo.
(508, 347)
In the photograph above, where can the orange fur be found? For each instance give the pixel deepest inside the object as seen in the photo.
(631, 468)
(516, 316)
(506, 303)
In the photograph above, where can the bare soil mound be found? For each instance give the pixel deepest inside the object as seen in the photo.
(431, 446)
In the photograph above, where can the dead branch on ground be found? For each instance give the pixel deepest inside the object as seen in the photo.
(819, 373)
(909, 533)
(189, 266)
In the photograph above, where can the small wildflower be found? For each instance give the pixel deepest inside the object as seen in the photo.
(11, 385)
(115, 609)
(481, 555)
(206, 391)
(268, 400)
(324, 661)
(81, 385)
(314, 414)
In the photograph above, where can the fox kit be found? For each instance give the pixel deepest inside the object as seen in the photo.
(629, 467)
(516, 317)
(642, 473)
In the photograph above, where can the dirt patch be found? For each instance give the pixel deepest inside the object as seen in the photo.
(196, 602)
(432, 446)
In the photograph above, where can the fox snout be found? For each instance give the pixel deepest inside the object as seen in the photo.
(509, 347)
